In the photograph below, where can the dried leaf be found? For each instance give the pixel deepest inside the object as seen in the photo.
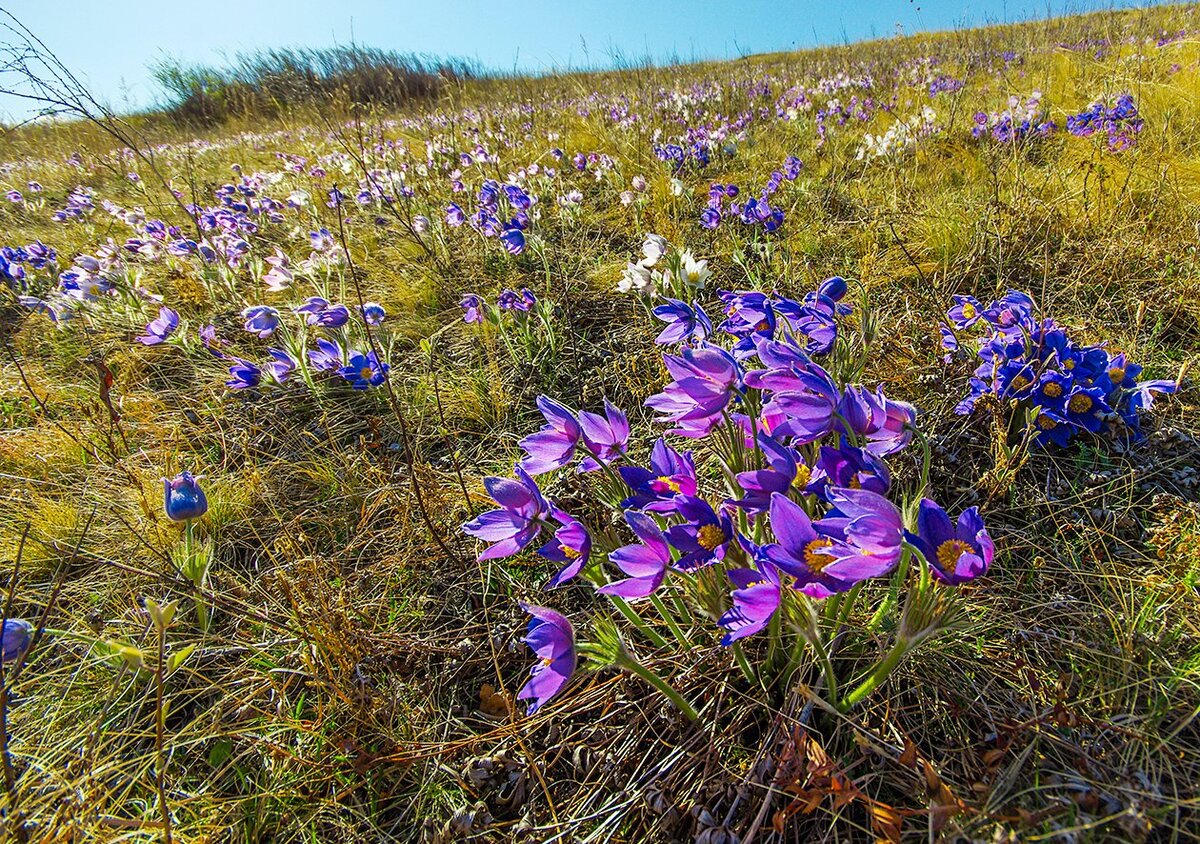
(495, 704)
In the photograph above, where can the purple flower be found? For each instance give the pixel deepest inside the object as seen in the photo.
(704, 537)
(318, 311)
(784, 471)
(183, 498)
(281, 366)
(454, 216)
(552, 639)
(472, 307)
(670, 474)
(851, 468)
(644, 563)
(860, 540)
(706, 379)
(364, 370)
(261, 320)
(755, 600)
(571, 546)
(327, 356)
(521, 516)
(16, 638)
(553, 446)
(158, 330)
(955, 554)
(513, 240)
(245, 374)
(606, 437)
(684, 322)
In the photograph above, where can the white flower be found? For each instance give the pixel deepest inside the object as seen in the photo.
(695, 273)
(627, 197)
(637, 278)
(639, 184)
(676, 187)
(654, 247)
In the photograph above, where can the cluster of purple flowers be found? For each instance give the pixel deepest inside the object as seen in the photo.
(1120, 122)
(755, 211)
(695, 155)
(79, 205)
(14, 259)
(488, 218)
(942, 84)
(805, 454)
(475, 310)
(1067, 388)
(1019, 122)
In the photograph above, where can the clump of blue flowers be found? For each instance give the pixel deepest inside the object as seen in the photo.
(1063, 388)
(1120, 122)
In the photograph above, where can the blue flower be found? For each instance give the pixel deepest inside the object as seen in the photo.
(245, 374)
(183, 498)
(16, 638)
(363, 371)
(261, 320)
(160, 329)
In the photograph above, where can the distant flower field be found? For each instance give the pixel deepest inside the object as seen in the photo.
(799, 448)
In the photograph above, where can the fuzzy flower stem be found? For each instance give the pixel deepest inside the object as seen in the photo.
(637, 621)
(880, 673)
(628, 663)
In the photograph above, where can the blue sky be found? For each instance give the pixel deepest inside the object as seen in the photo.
(110, 43)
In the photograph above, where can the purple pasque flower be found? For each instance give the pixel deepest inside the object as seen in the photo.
(318, 311)
(755, 600)
(158, 330)
(955, 553)
(364, 370)
(896, 429)
(684, 322)
(860, 410)
(281, 365)
(552, 639)
(860, 540)
(644, 563)
(806, 396)
(784, 471)
(705, 535)
(851, 468)
(571, 547)
(606, 437)
(522, 514)
(372, 313)
(966, 312)
(871, 530)
(245, 374)
(183, 498)
(472, 307)
(552, 446)
(261, 320)
(706, 379)
(17, 635)
(454, 215)
(654, 489)
(328, 356)
(513, 240)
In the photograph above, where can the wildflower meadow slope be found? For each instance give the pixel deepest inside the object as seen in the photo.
(795, 448)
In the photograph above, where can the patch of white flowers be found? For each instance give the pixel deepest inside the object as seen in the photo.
(901, 137)
(664, 270)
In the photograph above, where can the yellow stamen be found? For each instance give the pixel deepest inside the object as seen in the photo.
(710, 536)
(570, 553)
(1116, 375)
(1052, 389)
(1046, 422)
(1019, 382)
(814, 560)
(668, 483)
(949, 552)
(803, 476)
(365, 373)
(968, 310)
(1080, 403)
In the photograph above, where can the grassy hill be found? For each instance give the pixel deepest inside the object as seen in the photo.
(321, 655)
